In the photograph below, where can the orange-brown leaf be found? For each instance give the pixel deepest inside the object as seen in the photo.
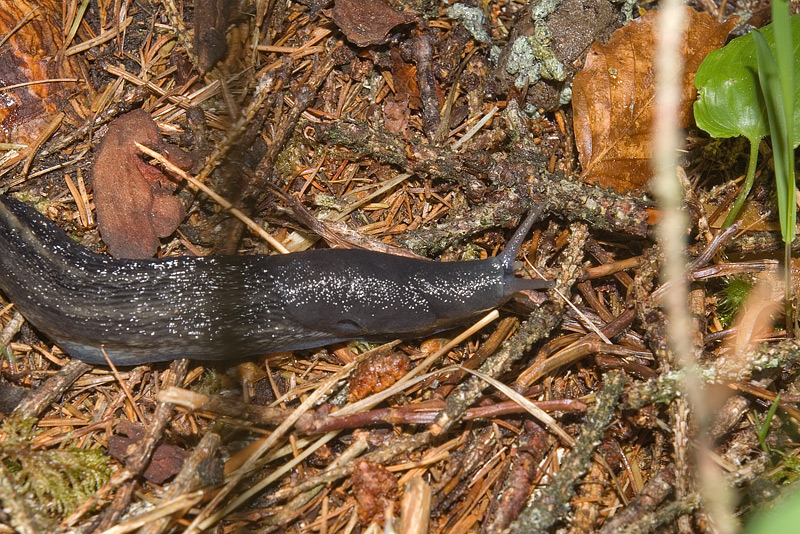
(32, 54)
(613, 97)
(134, 200)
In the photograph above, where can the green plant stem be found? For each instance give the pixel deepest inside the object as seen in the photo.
(784, 52)
(748, 184)
(787, 279)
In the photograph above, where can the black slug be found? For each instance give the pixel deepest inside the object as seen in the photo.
(226, 307)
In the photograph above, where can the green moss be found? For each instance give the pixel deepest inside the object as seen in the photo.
(473, 19)
(40, 203)
(330, 202)
(58, 480)
(53, 481)
(293, 155)
(732, 297)
(531, 57)
(211, 383)
(788, 471)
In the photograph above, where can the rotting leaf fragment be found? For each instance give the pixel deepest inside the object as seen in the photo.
(367, 22)
(134, 200)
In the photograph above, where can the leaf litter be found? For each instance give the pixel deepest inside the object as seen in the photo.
(358, 126)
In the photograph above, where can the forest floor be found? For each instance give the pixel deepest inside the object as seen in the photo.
(424, 129)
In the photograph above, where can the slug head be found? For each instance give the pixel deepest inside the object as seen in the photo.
(361, 294)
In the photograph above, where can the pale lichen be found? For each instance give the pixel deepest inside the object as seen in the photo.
(531, 57)
(473, 19)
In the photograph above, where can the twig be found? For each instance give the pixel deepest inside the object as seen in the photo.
(156, 517)
(597, 206)
(426, 414)
(34, 147)
(529, 406)
(657, 489)
(197, 471)
(207, 517)
(41, 398)
(216, 197)
(290, 510)
(139, 458)
(10, 329)
(546, 507)
(538, 325)
(665, 515)
(124, 387)
(191, 400)
(422, 50)
(415, 507)
(265, 90)
(100, 39)
(525, 457)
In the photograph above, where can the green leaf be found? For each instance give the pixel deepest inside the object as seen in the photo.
(728, 102)
(776, 76)
(771, 88)
(784, 57)
(763, 429)
(781, 127)
(783, 518)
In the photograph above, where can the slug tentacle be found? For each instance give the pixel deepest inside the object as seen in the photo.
(506, 258)
(509, 253)
(225, 307)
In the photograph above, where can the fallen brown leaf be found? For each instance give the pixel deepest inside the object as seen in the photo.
(404, 76)
(134, 200)
(613, 97)
(397, 108)
(167, 458)
(367, 22)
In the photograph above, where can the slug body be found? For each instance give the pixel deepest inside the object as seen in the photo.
(226, 307)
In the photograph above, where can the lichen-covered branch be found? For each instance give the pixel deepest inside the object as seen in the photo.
(523, 180)
(552, 503)
(538, 326)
